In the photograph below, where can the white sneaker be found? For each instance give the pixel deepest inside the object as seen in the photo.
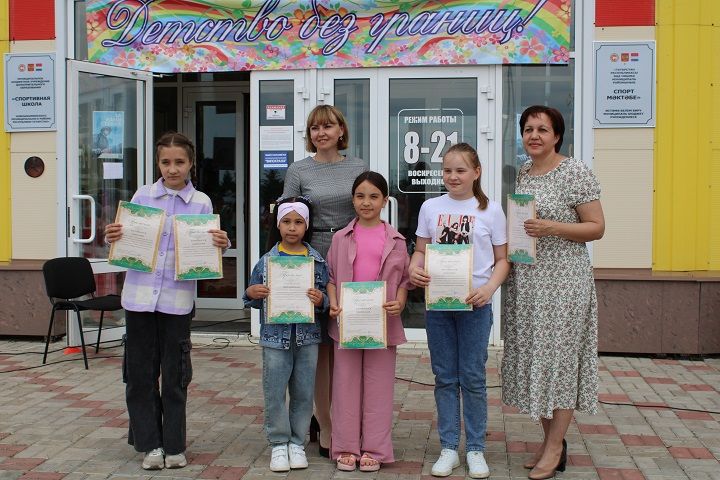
(279, 459)
(297, 456)
(477, 467)
(154, 459)
(444, 466)
(175, 461)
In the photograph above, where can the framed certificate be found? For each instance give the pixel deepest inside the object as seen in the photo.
(137, 249)
(362, 321)
(196, 258)
(289, 279)
(450, 268)
(521, 246)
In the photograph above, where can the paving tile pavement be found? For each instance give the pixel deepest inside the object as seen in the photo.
(61, 421)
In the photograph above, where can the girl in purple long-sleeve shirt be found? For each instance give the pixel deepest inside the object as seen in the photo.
(158, 313)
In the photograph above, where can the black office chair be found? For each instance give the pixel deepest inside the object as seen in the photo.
(67, 278)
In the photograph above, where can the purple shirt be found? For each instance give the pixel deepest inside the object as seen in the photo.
(158, 291)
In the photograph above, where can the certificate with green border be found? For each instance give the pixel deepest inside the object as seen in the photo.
(289, 278)
(196, 258)
(137, 249)
(450, 267)
(521, 246)
(362, 321)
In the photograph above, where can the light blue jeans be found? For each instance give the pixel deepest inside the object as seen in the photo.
(458, 351)
(291, 370)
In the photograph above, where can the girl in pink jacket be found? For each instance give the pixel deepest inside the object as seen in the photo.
(368, 249)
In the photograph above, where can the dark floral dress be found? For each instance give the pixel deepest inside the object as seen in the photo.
(550, 312)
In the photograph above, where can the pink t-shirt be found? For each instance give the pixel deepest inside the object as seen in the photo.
(370, 244)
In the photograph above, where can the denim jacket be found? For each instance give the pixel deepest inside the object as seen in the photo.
(278, 335)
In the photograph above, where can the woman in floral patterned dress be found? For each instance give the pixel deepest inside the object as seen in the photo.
(549, 367)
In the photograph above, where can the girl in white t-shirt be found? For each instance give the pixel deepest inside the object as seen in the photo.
(458, 340)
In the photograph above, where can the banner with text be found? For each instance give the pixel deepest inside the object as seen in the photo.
(236, 35)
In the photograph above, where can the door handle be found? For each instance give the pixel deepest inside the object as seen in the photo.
(90, 199)
(393, 204)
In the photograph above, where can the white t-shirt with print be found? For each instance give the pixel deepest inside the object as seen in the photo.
(488, 228)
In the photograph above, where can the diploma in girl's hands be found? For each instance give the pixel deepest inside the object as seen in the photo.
(362, 321)
(137, 249)
(289, 278)
(450, 269)
(196, 257)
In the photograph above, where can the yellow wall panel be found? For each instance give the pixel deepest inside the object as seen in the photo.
(714, 227)
(4, 22)
(623, 34)
(626, 179)
(33, 46)
(30, 142)
(34, 230)
(5, 185)
(685, 222)
(623, 163)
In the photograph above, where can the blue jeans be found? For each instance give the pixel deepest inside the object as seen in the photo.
(291, 370)
(458, 352)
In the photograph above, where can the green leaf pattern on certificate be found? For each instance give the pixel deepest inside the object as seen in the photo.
(198, 273)
(450, 248)
(521, 256)
(291, 261)
(131, 263)
(290, 317)
(449, 303)
(521, 198)
(363, 287)
(195, 219)
(363, 342)
(141, 210)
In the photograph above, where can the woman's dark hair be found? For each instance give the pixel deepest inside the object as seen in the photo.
(321, 115)
(471, 155)
(374, 178)
(556, 119)
(274, 235)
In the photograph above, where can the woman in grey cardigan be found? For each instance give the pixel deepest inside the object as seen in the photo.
(326, 178)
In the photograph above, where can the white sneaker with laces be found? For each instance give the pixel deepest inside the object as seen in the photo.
(297, 456)
(444, 466)
(477, 466)
(175, 461)
(279, 459)
(154, 459)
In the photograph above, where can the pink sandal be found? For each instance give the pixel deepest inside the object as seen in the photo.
(372, 467)
(345, 467)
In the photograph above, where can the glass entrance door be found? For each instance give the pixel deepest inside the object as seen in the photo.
(214, 119)
(109, 113)
(427, 111)
(409, 117)
(401, 120)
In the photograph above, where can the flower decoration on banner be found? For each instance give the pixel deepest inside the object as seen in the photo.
(561, 55)
(223, 35)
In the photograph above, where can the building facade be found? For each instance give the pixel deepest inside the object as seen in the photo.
(118, 86)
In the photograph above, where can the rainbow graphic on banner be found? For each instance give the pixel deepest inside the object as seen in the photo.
(237, 35)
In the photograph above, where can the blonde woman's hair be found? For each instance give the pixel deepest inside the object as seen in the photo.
(321, 115)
